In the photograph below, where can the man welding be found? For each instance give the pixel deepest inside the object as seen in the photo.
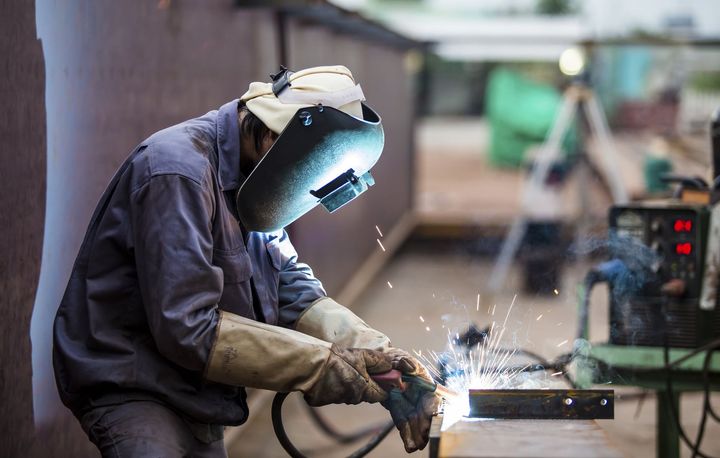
(187, 289)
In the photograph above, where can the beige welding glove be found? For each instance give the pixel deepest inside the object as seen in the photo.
(330, 321)
(258, 355)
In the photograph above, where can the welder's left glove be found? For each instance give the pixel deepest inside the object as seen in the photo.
(411, 410)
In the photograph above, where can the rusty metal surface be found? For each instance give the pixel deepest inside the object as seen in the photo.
(542, 404)
(22, 205)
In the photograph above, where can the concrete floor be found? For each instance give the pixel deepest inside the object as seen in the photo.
(441, 285)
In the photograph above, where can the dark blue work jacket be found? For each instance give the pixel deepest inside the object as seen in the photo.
(163, 252)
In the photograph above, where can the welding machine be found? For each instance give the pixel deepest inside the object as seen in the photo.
(674, 304)
(665, 309)
(663, 276)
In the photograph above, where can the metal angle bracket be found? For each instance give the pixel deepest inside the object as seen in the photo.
(543, 404)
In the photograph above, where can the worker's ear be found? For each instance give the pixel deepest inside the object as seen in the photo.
(268, 141)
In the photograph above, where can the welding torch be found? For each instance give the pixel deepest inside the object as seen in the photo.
(396, 380)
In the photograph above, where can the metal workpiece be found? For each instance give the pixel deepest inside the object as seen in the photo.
(543, 404)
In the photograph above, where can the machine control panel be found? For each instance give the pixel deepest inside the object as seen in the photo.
(674, 233)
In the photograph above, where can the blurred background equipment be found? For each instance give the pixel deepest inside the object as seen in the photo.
(579, 98)
(663, 296)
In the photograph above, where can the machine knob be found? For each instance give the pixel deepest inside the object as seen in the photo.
(656, 226)
(674, 287)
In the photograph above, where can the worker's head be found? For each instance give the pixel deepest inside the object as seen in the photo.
(306, 138)
(264, 115)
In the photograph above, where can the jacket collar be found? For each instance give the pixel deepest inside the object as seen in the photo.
(228, 142)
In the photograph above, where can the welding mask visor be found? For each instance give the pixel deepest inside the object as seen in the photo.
(322, 156)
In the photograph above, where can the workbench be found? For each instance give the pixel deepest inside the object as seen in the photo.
(485, 438)
(644, 367)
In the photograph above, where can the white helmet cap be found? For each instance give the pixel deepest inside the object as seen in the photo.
(332, 86)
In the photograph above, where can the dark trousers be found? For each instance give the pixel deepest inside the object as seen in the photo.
(145, 429)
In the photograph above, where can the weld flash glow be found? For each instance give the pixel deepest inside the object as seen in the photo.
(484, 367)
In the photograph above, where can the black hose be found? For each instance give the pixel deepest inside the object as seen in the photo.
(367, 448)
(591, 279)
(280, 428)
(675, 414)
(343, 438)
(293, 452)
(706, 403)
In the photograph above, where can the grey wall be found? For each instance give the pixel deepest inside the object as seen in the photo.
(22, 206)
(113, 73)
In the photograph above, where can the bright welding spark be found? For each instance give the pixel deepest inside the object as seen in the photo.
(427, 328)
(562, 343)
(422, 319)
(390, 285)
(559, 324)
(555, 374)
(381, 245)
(378, 230)
(556, 292)
(486, 365)
(493, 310)
(539, 316)
(477, 305)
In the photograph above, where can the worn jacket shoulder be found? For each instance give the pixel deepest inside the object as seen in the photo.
(184, 149)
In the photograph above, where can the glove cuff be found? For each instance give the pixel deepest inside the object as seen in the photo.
(258, 355)
(327, 320)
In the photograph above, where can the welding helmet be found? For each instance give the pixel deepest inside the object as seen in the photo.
(328, 141)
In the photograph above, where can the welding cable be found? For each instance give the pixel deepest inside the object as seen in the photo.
(367, 448)
(343, 438)
(293, 452)
(712, 345)
(608, 271)
(542, 361)
(706, 380)
(695, 447)
(694, 182)
(560, 363)
(279, 428)
(706, 402)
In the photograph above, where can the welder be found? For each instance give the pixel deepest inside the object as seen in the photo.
(187, 288)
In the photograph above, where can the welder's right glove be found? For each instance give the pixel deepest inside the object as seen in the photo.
(333, 322)
(257, 355)
(411, 410)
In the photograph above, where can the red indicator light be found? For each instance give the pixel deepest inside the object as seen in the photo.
(682, 225)
(683, 248)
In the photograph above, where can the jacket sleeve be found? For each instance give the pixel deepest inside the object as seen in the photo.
(172, 223)
(298, 287)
